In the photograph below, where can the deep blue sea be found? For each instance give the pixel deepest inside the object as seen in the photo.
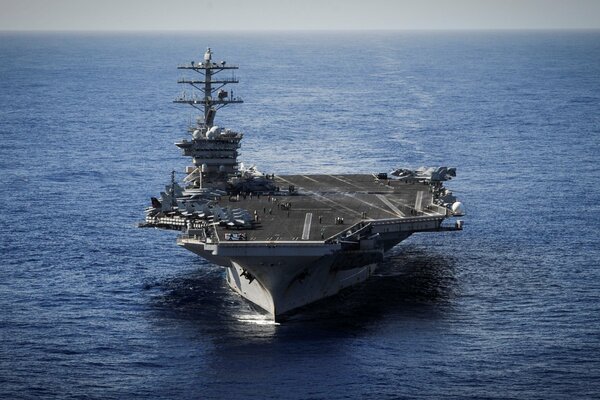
(93, 307)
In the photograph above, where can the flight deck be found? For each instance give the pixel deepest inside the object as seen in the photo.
(317, 207)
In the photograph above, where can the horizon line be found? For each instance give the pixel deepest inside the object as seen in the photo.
(297, 30)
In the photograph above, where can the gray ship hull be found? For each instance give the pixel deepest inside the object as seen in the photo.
(281, 277)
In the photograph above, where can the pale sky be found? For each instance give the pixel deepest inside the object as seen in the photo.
(107, 15)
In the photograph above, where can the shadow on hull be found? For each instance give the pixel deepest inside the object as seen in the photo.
(411, 284)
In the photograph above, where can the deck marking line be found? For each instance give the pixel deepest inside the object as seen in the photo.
(310, 179)
(322, 198)
(344, 181)
(419, 201)
(306, 230)
(370, 204)
(389, 204)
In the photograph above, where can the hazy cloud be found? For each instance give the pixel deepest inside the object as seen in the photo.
(304, 14)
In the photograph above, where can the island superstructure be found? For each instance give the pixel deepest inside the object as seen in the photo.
(288, 240)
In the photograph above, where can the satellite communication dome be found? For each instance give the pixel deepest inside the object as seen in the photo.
(458, 208)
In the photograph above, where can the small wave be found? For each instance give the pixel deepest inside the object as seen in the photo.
(256, 319)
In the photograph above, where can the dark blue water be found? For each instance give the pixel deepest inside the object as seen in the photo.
(93, 307)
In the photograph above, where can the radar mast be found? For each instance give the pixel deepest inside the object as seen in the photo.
(213, 95)
(213, 149)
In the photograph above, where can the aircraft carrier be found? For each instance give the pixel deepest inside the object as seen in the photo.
(287, 240)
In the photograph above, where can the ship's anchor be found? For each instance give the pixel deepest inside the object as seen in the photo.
(247, 275)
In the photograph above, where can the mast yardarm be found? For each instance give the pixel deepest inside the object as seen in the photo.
(213, 95)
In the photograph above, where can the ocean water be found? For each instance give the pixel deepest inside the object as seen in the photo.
(93, 307)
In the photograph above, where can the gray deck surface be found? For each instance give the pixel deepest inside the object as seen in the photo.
(327, 197)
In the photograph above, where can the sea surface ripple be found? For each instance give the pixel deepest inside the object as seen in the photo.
(93, 307)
